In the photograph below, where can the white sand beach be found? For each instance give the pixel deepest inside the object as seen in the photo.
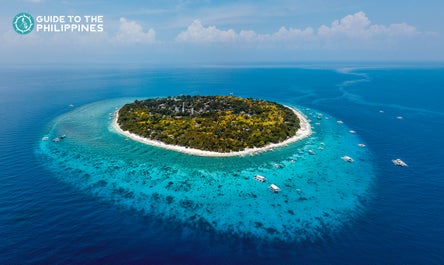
(303, 132)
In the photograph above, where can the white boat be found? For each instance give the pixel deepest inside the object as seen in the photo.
(352, 131)
(340, 122)
(277, 166)
(399, 117)
(311, 152)
(361, 145)
(57, 139)
(399, 162)
(46, 138)
(347, 158)
(260, 178)
(274, 188)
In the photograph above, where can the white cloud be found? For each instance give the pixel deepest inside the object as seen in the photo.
(132, 32)
(356, 27)
(284, 34)
(344, 37)
(359, 26)
(196, 32)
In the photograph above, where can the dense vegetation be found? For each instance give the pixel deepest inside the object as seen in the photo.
(212, 123)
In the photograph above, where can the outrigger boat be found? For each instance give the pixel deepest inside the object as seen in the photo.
(399, 163)
(347, 158)
(260, 178)
(275, 188)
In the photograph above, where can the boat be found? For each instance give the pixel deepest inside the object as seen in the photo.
(399, 162)
(352, 131)
(361, 145)
(347, 158)
(277, 166)
(260, 178)
(340, 122)
(311, 152)
(63, 137)
(399, 117)
(46, 138)
(57, 139)
(274, 188)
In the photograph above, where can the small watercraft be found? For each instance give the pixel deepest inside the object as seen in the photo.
(274, 188)
(399, 162)
(260, 178)
(347, 159)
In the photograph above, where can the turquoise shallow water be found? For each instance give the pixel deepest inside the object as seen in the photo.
(320, 193)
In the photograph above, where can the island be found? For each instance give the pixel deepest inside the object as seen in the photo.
(211, 125)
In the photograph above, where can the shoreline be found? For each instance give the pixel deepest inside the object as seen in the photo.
(303, 132)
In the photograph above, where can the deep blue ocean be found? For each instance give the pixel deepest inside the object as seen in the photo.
(47, 220)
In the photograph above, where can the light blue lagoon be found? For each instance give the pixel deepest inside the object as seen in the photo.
(319, 192)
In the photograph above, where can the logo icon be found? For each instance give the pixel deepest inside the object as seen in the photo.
(23, 23)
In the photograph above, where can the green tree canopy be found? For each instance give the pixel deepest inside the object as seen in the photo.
(210, 123)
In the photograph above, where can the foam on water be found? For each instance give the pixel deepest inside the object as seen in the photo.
(319, 193)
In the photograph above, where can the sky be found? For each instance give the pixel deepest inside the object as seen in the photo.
(229, 32)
